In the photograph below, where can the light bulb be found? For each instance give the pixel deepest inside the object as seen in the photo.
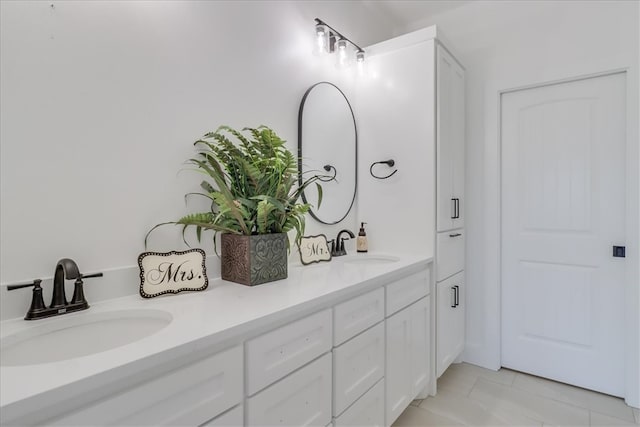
(321, 39)
(360, 62)
(342, 53)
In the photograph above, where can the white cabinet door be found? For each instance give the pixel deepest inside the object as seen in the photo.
(450, 321)
(449, 253)
(449, 141)
(420, 355)
(357, 365)
(301, 399)
(407, 357)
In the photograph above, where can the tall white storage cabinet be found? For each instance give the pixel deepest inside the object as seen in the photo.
(410, 108)
(450, 134)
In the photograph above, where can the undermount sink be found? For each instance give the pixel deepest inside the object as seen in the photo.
(371, 259)
(80, 335)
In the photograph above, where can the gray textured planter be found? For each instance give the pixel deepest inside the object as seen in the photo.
(252, 260)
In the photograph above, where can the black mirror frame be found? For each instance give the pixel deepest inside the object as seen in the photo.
(355, 128)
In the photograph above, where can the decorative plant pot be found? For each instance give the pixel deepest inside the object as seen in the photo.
(252, 260)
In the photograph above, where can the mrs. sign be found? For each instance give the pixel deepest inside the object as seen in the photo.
(172, 272)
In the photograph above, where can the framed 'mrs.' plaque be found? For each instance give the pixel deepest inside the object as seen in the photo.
(172, 272)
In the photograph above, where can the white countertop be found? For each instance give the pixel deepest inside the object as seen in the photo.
(201, 319)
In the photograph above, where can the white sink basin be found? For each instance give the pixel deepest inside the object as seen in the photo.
(79, 335)
(371, 259)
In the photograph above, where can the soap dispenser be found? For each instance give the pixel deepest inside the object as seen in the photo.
(361, 243)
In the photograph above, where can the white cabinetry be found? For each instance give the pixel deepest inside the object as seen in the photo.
(354, 316)
(450, 82)
(357, 365)
(355, 362)
(273, 355)
(192, 395)
(449, 141)
(407, 361)
(429, 148)
(450, 324)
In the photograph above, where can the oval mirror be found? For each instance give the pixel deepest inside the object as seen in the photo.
(328, 146)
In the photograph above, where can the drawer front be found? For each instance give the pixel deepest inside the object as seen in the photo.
(301, 399)
(358, 364)
(186, 396)
(275, 354)
(367, 411)
(450, 253)
(232, 418)
(406, 291)
(354, 316)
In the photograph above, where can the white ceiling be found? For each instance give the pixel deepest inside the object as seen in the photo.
(407, 13)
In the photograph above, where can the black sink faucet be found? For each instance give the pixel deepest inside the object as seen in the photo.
(66, 269)
(338, 245)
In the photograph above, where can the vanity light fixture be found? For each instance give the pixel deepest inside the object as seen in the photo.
(330, 40)
(321, 39)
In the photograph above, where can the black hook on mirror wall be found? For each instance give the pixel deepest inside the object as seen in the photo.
(327, 178)
(391, 163)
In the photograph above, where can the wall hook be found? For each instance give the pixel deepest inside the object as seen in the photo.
(391, 163)
(327, 178)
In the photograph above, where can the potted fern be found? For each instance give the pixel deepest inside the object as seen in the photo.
(254, 201)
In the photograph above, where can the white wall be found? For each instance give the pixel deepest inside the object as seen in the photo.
(508, 44)
(396, 102)
(101, 102)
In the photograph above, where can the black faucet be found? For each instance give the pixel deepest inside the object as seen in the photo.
(337, 246)
(66, 269)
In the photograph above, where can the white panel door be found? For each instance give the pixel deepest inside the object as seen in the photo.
(563, 207)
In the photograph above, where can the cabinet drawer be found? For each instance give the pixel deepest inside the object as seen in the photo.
(301, 399)
(233, 418)
(367, 411)
(358, 364)
(275, 354)
(354, 316)
(186, 396)
(450, 253)
(406, 291)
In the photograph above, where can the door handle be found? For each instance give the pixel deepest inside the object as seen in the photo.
(455, 235)
(456, 295)
(453, 305)
(619, 251)
(453, 209)
(456, 208)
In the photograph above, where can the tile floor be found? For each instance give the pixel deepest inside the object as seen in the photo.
(472, 396)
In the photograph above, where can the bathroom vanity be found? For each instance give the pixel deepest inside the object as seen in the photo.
(340, 343)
